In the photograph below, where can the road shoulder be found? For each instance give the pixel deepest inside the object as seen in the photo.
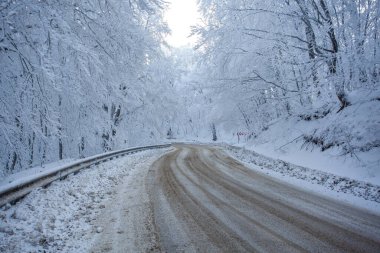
(127, 223)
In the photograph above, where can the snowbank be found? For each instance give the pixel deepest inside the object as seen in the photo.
(62, 217)
(345, 143)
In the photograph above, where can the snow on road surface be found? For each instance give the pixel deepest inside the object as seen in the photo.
(190, 198)
(81, 212)
(205, 201)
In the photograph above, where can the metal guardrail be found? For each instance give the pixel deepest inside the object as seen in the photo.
(18, 191)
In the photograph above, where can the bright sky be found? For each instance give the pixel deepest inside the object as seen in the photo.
(181, 15)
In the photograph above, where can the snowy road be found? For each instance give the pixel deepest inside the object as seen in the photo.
(189, 198)
(204, 201)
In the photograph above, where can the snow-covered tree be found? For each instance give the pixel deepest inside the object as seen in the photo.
(80, 77)
(271, 59)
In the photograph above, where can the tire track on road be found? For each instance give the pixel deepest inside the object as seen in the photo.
(216, 204)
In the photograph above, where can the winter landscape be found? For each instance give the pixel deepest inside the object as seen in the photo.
(189, 126)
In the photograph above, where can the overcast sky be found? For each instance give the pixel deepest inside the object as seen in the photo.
(181, 15)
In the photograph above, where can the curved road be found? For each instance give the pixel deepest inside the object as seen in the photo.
(205, 201)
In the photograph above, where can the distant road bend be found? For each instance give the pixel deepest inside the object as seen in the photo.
(205, 201)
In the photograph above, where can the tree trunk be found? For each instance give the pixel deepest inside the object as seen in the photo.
(334, 43)
(60, 144)
(310, 38)
(332, 63)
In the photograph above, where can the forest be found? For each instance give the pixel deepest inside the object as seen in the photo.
(85, 77)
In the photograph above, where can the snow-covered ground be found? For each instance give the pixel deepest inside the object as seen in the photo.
(345, 143)
(355, 192)
(334, 153)
(63, 217)
(30, 174)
